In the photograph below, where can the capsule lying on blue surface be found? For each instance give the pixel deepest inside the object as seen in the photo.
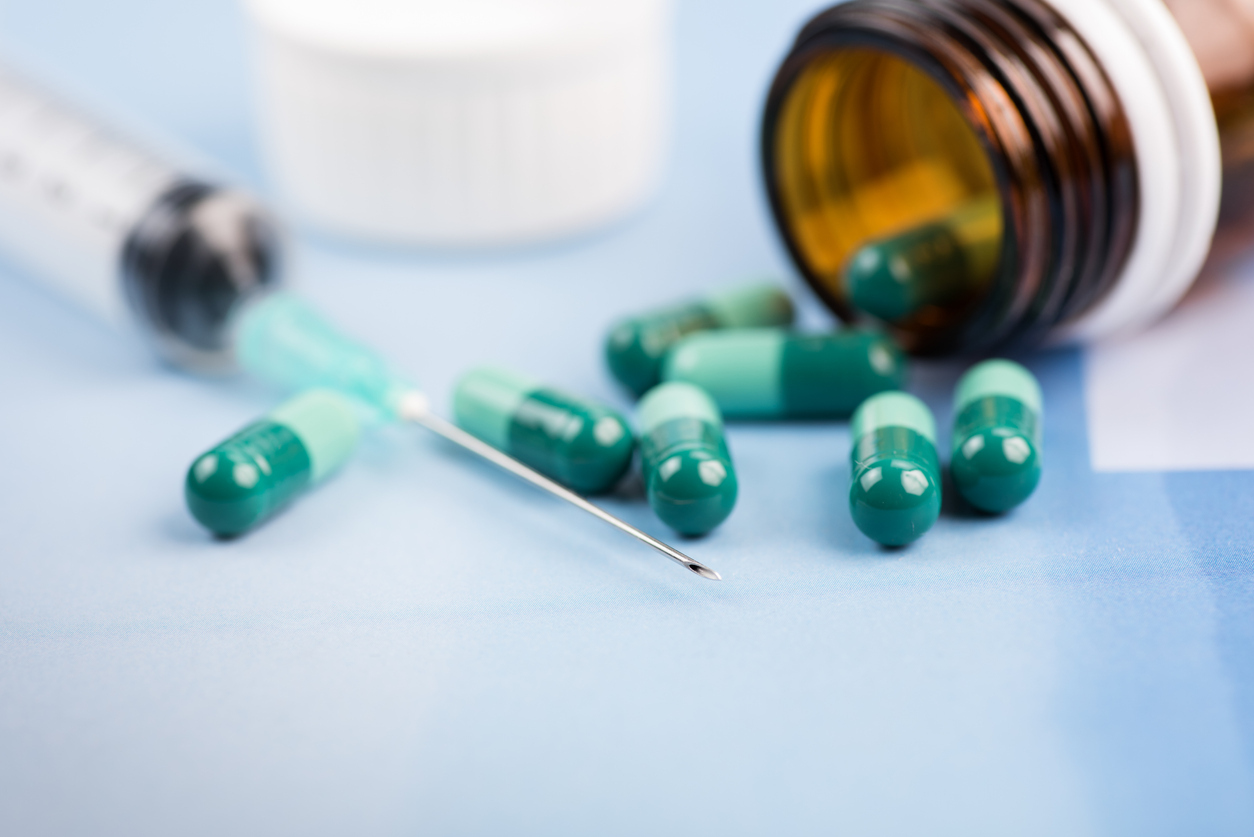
(247, 478)
(688, 472)
(636, 345)
(778, 373)
(996, 459)
(895, 495)
(582, 444)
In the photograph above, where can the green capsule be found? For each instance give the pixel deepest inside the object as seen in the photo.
(931, 264)
(688, 473)
(584, 445)
(896, 492)
(636, 345)
(250, 476)
(996, 460)
(776, 373)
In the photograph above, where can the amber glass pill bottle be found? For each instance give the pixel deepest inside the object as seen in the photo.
(1030, 171)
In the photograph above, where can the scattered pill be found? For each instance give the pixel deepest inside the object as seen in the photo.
(636, 345)
(688, 472)
(777, 373)
(996, 460)
(584, 445)
(896, 492)
(250, 476)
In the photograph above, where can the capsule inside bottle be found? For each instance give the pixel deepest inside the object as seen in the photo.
(688, 473)
(936, 263)
(246, 479)
(584, 445)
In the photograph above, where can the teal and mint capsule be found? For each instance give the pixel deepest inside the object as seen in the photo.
(931, 264)
(896, 492)
(996, 460)
(584, 445)
(777, 373)
(247, 478)
(688, 473)
(636, 345)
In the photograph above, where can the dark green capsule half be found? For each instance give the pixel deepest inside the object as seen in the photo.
(637, 345)
(688, 473)
(247, 478)
(931, 264)
(895, 495)
(584, 445)
(777, 373)
(996, 458)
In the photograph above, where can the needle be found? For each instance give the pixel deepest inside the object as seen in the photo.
(414, 408)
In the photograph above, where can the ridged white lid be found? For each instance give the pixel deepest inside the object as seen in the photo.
(1176, 140)
(463, 121)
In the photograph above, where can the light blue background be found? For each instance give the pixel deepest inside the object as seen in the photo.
(426, 647)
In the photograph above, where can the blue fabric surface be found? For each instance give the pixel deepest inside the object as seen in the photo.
(426, 646)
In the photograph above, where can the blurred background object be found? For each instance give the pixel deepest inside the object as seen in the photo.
(468, 123)
(124, 228)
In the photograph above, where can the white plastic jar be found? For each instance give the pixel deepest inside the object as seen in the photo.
(463, 123)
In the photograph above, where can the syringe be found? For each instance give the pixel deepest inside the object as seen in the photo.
(127, 235)
(123, 232)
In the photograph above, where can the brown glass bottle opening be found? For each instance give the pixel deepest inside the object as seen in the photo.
(991, 118)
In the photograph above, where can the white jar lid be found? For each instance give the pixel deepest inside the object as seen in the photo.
(463, 121)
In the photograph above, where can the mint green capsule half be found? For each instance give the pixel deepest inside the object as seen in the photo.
(895, 495)
(636, 345)
(247, 478)
(688, 473)
(584, 445)
(996, 459)
(931, 264)
(777, 373)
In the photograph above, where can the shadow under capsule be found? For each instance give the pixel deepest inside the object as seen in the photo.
(953, 505)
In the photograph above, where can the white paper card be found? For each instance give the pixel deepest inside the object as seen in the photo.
(1180, 396)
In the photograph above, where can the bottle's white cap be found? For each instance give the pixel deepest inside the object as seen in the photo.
(1176, 140)
(461, 122)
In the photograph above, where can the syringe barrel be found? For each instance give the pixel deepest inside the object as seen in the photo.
(120, 230)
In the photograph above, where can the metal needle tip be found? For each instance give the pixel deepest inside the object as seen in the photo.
(414, 407)
(704, 571)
